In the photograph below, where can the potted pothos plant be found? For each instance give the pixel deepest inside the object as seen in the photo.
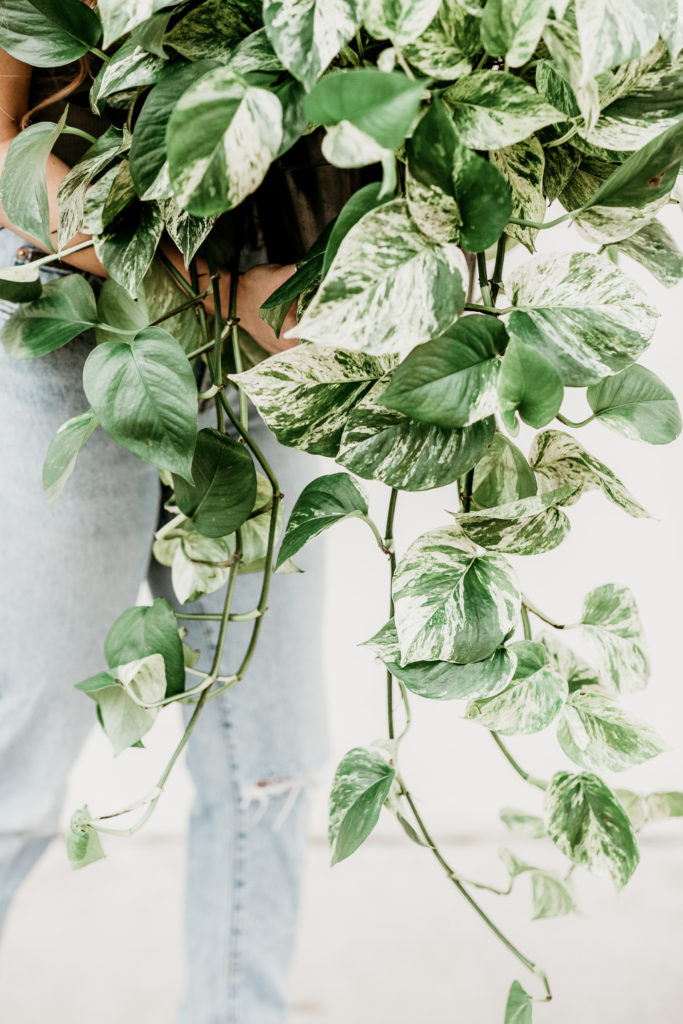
(489, 123)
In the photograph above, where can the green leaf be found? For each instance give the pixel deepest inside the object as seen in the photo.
(529, 384)
(611, 625)
(214, 29)
(360, 203)
(596, 733)
(581, 312)
(551, 896)
(142, 631)
(116, 307)
(128, 244)
(63, 451)
(401, 22)
(647, 175)
(123, 721)
(72, 189)
(440, 51)
(83, 844)
(131, 67)
(121, 16)
(612, 33)
(186, 231)
(160, 294)
(452, 192)
(306, 393)
(492, 109)
(382, 444)
(381, 104)
(512, 28)
(664, 805)
(322, 503)
(530, 826)
(529, 526)
(531, 701)
(637, 404)
(65, 309)
(307, 35)
(222, 495)
(221, 138)
(145, 396)
(588, 824)
(21, 283)
(361, 785)
(522, 166)
(652, 105)
(560, 461)
(656, 250)
(562, 40)
(503, 475)
(47, 35)
(23, 186)
(452, 604)
(519, 1005)
(444, 680)
(388, 287)
(451, 381)
(577, 672)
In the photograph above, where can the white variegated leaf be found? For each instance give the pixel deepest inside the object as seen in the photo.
(577, 672)
(402, 21)
(589, 825)
(123, 720)
(512, 28)
(596, 733)
(530, 702)
(651, 104)
(434, 211)
(562, 40)
(612, 32)
(586, 316)
(438, 51)
(551, 896)
(611, 625)
(529, 526)
(305, 395)
(522, 166)
(492, 109)
(604, 224)
(389, 287)
(530, 826)
(452, 604)
(560, 461)
(344, 145)
(656, 250)
(307, 34)
(119, 17)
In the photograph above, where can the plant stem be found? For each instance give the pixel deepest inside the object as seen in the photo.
(571, 423)
(217, 365)
(201, 350)
(483, 280)
(497, 278)
(526, 625)
(235, 337)
(217, 616)
(541, 225)
(527, 776)
(61, 253)
(389, 546)
(69, 130)
(466, 496)
(539, 614)
(184, 285)
(181, 308)
(473, 307)
(100, 53)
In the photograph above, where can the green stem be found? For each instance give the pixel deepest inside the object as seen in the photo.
(483, 280)
(378, 536)
(61, 253)
(531, 779)
(170, 526)
(563, 138)
(389, 546)
(100, 53)
(260, 457)
(201, 350)
(473, 307)
(526, 625)
(69, 130)
(497, 277)
(217, 616)
(173, 271)
(540, 225)
(217, 364)
(235, 338)
(539, 614)
(466, 496)
(180, 309)
(571, 423)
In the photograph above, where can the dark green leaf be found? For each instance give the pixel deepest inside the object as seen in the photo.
(65, 309)
(63, 452)
(502, 475)
(145, 630)
(529, 384)
(222, 495)
(361, 785)
(45, 34)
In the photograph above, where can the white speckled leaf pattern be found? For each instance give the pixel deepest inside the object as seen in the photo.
(530, 526)
(612, 32)
(596, 733)
(383, 444)
(492, 109)
(305, 395)
(530, 702)
(452, 604)
(647, 108)
(656, 250)
(402, 21)
(605, 223)
(307, 34)
(611, 625)
(522, 166)
(588, 824)
(577, 672)
(562, 40)
(389, 287)
(121, 16)
(361, 785)
(437, 52)
(512, 28)
(434, 211)
(559, 460)
(586, 316)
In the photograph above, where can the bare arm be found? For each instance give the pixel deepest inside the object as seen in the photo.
(253, 287)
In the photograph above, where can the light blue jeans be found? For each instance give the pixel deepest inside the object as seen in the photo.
(64, 578)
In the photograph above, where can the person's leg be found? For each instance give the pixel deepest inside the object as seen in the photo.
(254, 755)
(64, 578)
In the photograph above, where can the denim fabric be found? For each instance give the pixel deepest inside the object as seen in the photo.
(64, 578)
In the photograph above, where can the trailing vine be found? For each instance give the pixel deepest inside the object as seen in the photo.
(475, 118)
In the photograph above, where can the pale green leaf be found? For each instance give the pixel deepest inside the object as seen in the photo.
(656, 250)
(439, 51)
(612, 32)
(529, 384)
(530, 702)
(637, 404)
(83, 844)
(503, 475)
(64, 310)
(360, 787)
(578, 673)
(121, 16)
(493, 109)
(551, 896)
(307, 34)
(21, 283)
(518, 1008)
(530, 826)
(402, 22)
(23, 185)
(63, 451)
(123, 720)
(144, 630)
(611, 625)
(128, 244)
(596, 733)
(512, 28)
(72, 189)
(522, 167)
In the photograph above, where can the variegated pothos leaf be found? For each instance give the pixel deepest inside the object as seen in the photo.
(611, 625)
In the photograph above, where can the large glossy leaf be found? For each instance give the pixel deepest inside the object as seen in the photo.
(23, 186)
(222, 494)
(322, 503)
(492, 109)
(452, 604)
(145, 630)
(596, 733)
(47, 35)
(360, 203)
(502, 475)
(529, 526)
(657, 250)
(530, 702)
(512, 28)
(444, 680)
(453, 193)
(401, 22)
(145, 396)
(64, 310)
(123, 721)
(611, 625)
(305, 395)
(72, 189)
(388, 287)
(221, 138)
(529, 384)
(21, 283)
(214, 29)
(307, 34)
(560, 461)
(360, 787)
(637, 404)
(122, 16)
(522, 166)
(451, 381)
(63, 451)
(589, 825)
(382, 444)
(129, 243)
(580, 311)
(612, 32)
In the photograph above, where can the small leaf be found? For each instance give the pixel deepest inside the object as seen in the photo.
(63, 451)
(64, 310)
(222, 494)
(611, 624)
(361, 785)
(145, 630)
(530, 702)
(588, 824)
(322, 503)
(528, 825)
(551, 896)
(637, 404)
(656, 250)
(519, 1005)
(596, 733)
(83, 844)
(503, 475)
(529, 384)
(530, 526)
